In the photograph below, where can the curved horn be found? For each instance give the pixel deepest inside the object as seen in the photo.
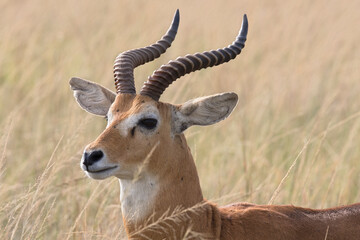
(175, 69)
(126, 62)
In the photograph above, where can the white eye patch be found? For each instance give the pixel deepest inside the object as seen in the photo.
(109, 118)
(132, 121)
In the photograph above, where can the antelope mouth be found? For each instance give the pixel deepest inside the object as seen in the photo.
(100, 170)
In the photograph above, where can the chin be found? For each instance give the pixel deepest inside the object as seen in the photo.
(98, 176)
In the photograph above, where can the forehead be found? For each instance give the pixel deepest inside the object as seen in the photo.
(129, 104)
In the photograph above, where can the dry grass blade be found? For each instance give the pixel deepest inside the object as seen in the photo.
(170, 221)
(277, 190)
(2, 158)
(97, 191)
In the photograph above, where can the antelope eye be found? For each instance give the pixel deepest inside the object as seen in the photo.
(148, 123)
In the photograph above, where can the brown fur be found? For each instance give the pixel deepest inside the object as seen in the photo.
(172, 163)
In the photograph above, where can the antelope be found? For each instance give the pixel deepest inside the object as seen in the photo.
(144, 146)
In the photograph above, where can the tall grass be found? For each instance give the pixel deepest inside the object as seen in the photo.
(293, 138)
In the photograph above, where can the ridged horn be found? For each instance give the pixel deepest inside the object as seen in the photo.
(126, 62)
(175, 69)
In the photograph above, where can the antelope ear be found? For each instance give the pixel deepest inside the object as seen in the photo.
(92, 97)
(203, 111)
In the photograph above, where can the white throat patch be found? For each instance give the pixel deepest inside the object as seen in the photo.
(137, 197)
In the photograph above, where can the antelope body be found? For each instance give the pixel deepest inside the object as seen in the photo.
(144, 146)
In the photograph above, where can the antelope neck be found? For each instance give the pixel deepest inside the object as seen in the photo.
(161, 189)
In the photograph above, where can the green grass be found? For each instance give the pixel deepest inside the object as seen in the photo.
(298, 114)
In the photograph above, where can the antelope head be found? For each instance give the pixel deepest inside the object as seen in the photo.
(144, 136)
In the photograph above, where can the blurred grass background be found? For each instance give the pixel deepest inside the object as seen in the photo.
(293, 138)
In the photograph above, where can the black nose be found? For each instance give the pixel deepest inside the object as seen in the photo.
(91, 157)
